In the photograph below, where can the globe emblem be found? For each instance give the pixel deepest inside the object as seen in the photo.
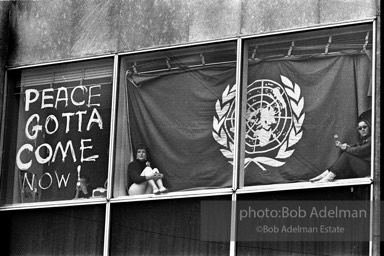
(268, 117)
(273, 122)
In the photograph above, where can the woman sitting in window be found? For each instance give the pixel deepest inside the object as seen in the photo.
(142, 178)
(355, 161)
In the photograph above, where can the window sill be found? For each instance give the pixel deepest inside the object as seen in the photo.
(175, 195)
(304, 185)
(53, 204)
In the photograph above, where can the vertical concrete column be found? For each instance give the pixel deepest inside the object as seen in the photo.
(4, 39)
(4, 35)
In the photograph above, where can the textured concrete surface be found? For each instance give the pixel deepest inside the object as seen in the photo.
(50, 30)
(214, 19)
(345, 10)
(4, 36)
(146, 24)
(47, 30)
(265, 15)
(4, 31)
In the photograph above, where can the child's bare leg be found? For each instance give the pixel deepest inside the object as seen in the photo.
(159, 183)
(152, 184)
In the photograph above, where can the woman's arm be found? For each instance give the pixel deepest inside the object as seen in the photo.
(134, 173)
(362, 150)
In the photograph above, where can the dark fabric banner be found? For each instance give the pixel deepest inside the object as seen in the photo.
(294, 109)
(326, 95)
(173, 115)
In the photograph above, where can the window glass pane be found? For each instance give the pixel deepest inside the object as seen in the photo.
(172, 101)
(275, 233)
(57, 135)
(64, 231)
(163, 227)
(5, 222)
(308, 92)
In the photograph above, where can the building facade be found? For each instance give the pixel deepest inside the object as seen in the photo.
(239, 104)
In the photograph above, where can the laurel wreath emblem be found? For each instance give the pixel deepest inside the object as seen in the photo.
(222, 106)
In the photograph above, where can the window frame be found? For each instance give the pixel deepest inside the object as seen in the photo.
(340, 182)
(8, 84)
(241, 63)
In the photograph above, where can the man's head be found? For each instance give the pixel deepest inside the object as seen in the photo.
(364, 129)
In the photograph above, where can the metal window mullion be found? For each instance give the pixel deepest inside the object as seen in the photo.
(107, 229)
(111, 156)
(2, 127)
(240, 108)
(112, 127)
(233, 235)
(374, 243)
(239, 143)
(373, 100)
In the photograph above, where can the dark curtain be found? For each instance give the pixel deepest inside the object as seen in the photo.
(173, 113)
(334, 91)
(186, 117)
(123, 143)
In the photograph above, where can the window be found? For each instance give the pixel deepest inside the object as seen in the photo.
(181, 103)
(168, 102)
(57, 132)
(304, 92)
(164, 227)
(65, 231)
(292, 240)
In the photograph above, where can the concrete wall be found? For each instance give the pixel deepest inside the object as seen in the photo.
(4, 29)
(4, 32)
(50, 30)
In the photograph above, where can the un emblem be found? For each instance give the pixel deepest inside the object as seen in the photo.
(274, 118)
